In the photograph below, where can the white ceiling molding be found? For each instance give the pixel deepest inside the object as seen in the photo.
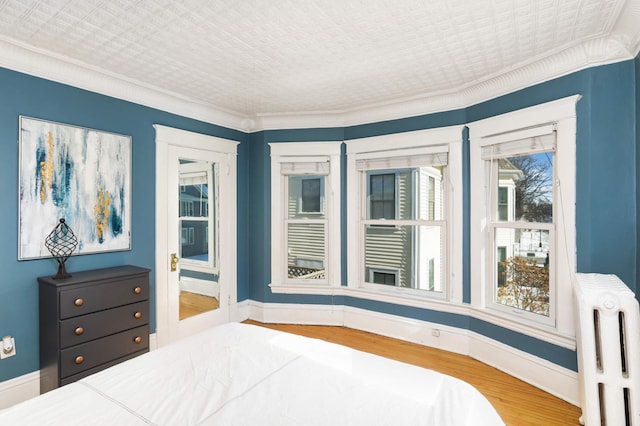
(607, 49)
(626, 28)
(591, 53)
(26, 59)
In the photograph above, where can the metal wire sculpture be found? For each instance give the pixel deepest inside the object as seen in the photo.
(61, 242)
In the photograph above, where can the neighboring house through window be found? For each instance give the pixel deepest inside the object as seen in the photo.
(382, 196)
(311, 194)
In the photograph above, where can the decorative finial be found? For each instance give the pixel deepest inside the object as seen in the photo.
(61, 242)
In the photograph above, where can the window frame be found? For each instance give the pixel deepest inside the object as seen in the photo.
(405, 144)
(187, 211)
(301, 153)
(562, 115)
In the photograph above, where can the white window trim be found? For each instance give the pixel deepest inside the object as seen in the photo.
(563, 113)
(451, 136)
(287, 152)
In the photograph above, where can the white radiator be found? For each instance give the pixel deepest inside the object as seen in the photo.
(608, 339)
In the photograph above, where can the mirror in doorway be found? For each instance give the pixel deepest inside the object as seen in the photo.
(199, 230)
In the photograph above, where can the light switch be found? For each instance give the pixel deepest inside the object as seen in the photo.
(7, 347)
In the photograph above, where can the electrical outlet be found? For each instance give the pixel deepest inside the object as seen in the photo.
(7, 347)
(435, 332)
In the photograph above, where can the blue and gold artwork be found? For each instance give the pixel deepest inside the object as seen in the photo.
(81, 175)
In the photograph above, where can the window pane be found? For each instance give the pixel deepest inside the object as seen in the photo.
(413, 253)
(194, 243)
(531, 179)
(311, 195)
(430, 192)
(522, 269)
(420, 194)
(382, 196)
(503, 204)
(306, 251)
(194, 200)
(305, 196)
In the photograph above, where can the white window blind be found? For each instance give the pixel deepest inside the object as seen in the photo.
(193, 178)
(317, 165)
(526, 141)
(404, 158)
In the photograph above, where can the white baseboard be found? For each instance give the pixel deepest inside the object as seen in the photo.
(538, 372)
(197, 286)
(19, 389)
(551, 378)
(545, 375)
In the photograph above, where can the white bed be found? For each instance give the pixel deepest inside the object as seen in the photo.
(239, 374)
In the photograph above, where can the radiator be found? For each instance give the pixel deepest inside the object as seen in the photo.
(608, 344)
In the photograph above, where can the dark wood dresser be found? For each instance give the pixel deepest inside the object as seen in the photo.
(91, 321)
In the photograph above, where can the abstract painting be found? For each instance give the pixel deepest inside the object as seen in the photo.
(77, 174)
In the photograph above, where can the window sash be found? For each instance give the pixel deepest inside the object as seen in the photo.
(417, 248)
(300, 243)
(494, 270)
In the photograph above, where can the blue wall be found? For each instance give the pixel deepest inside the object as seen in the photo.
(606, 218)
(637, 204)
(607, 192)
(21, 94)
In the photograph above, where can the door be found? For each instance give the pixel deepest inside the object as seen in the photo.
(196, 266)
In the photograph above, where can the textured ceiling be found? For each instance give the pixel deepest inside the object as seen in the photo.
(252, 57)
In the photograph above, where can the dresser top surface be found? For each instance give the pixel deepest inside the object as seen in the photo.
(94, 275)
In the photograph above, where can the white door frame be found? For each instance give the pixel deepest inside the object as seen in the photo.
(166, 137)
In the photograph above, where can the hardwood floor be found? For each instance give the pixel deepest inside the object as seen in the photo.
(517, 402)
(193, 304)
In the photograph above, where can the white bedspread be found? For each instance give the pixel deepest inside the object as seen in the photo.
(238, 374)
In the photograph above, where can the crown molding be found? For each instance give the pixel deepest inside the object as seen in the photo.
(589, 53)
(626, 28)
(29, 60)
(623, 43)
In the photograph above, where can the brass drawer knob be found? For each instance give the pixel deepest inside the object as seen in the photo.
(78, 331)
(137, 340)
(78, 302)
(137, 315)
(79, 359)
(137, 290)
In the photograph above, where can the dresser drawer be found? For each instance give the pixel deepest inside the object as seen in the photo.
(84, 328)
(97, 352)
(85, 373)
(97, 297)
